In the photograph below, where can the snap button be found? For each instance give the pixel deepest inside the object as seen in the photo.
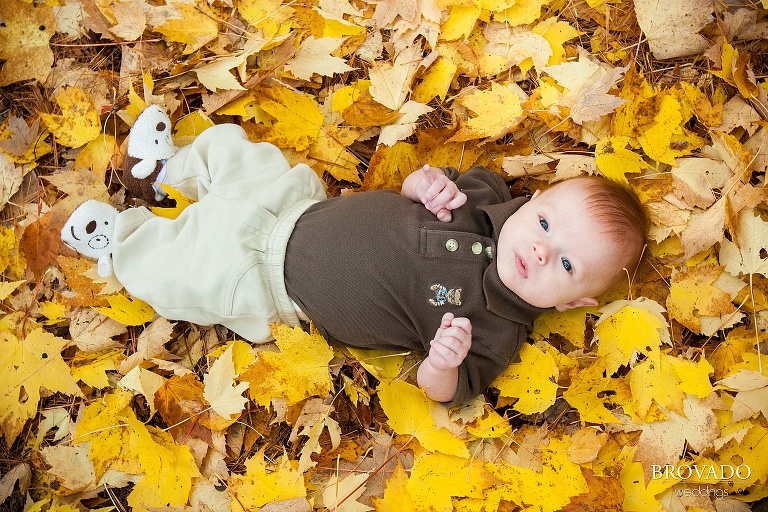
(489, 252)
(477, 248)
(451, 244)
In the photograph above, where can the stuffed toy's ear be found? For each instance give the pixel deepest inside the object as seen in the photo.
(149, 145)
(89, 231)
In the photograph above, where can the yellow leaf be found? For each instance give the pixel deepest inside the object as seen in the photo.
(556, 33)
(27, 28)
(298, 371)
(190, 126)
(127, 311)
(390, 165)
(694, 377)
(341, 494)
(548, 490)
(396, 497)
(461, 20)
(569, 324)
(241, 354)
(436, 82)
(629, 326)
(268, 15)
(737, 342)
(436, 477)
(28, 365)
(692, 295)
(347, 95)
(298, 116)
(533, 380)
(407, 408)
(53, 312)
(78, 123)
(638, 497)
(654, 380)
(497, 111)
(168, 468)
(91, 368)
(103, 425)
(256, 488)
(490, 425)
(592, 394)
(382, 364)
(8, 287)
(329, 153)
(194, 24)
(98, 155)
(615, 161)
(523, 13)
(182, 202)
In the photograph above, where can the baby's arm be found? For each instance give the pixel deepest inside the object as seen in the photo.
(439, 372)
(435, 190)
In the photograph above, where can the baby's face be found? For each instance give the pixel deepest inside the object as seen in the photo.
(552, 253)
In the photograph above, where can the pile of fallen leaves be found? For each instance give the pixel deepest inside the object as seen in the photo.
(655, 400)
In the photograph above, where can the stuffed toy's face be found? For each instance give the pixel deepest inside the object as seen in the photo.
(89, 229)
(151, 136)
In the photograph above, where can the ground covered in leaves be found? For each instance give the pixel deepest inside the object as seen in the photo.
(655, 400)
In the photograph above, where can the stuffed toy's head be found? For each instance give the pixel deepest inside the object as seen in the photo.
(89, 229)
(150, 141)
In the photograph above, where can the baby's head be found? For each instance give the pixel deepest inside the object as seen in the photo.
(572, 242)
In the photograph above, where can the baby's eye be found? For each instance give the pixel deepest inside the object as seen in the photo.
(543, 223)
(567, 265)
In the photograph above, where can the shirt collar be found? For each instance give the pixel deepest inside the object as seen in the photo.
(499, 299)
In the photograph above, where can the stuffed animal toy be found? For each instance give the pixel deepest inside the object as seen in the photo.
(149, 146)
(89, 231)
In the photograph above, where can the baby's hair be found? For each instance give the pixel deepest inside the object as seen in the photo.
(619, 211)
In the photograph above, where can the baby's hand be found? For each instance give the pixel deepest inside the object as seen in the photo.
(435, 190)
(452, 342)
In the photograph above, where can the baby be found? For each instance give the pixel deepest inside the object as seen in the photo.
(452, 266)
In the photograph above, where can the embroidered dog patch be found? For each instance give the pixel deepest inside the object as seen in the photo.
(445, 295)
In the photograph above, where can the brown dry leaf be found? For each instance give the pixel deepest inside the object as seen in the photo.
(672, 26)
(150, 344)
(93, 332)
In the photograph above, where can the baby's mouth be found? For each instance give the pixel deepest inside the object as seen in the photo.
(522, 268)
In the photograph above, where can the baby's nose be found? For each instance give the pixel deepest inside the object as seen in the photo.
(541, 253)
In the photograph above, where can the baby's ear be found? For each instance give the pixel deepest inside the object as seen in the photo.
(584, 301)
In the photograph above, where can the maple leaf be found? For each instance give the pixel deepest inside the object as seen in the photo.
(188, 23)
(30, 364)
(313, 57)
(298, 371)
(672, 26)
(299, 119)
(151, 344)
(615, 161)
(341, 494)
(225, 398)
(628, 327)
(744, 255)
(396, 497)
(215, 75)
(391, 83)
(78, 123)
(533, 380)
(408, 410)
(10, 179)
(168, 468)
(436, 477)
(24, 37)
(21, 136)
(92, 368)
(497, 111)
(751, 396)
(654, 380)
(693, 295)
(517, 44)
(145, 383)
(256, 488)
(131, 20)
(593, 395)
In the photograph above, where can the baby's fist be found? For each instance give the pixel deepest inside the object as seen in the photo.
(452, 342)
